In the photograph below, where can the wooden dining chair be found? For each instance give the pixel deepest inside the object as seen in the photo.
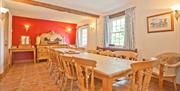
(167, 67)
(70, 74)
(126, 55)
(85, 74)
(50, 60)
(55, 66)
(92, 51)
(142, 72)
(80, 49)
(61, 70)
(106, 53)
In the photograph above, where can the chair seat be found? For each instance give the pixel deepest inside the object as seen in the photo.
(168, 72)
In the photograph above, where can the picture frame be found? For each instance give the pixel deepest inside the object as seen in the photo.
(25, 40)
(163, 22)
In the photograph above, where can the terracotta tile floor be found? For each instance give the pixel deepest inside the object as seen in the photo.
(35, 77)
(28, 77)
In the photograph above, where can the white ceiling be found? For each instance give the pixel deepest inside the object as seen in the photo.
(99, 7)
(92, 6)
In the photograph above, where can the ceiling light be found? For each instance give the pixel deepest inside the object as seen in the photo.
(176, 9)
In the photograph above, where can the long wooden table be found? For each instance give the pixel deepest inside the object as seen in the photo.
(107, 69)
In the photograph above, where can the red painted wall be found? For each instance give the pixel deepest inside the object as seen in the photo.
(39, 26)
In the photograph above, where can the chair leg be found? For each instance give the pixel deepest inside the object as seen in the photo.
(71, 84)
(64, 84)
(160, 84)
(174, 82)
(48, 63)
(79, 89)
(50, 68)
(57, 78)
(61, 81)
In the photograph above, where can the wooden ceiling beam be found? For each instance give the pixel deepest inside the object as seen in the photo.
(58, 8)
(117, 14)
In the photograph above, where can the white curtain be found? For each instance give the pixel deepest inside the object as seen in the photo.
(106, 30)
(129, 28)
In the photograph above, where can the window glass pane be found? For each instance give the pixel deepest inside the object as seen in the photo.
(118, 25)
(118, 31)
(83, 37)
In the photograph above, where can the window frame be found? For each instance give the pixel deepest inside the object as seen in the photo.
(80, 31)
(111, 32)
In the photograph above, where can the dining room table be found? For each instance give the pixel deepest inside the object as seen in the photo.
(108, 69)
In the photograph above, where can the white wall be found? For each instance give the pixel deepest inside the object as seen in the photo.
(96, 36)
(151, 44)
(1, 46)
(91, 33)
(1, 43)
(100, 32)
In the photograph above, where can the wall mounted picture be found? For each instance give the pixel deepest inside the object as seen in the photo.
(160, 23)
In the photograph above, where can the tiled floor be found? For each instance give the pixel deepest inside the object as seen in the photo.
(35, 77)
(28, 77)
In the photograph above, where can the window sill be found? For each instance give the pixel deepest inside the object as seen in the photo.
(116, 49)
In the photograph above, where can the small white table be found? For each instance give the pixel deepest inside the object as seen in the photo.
(107, 69)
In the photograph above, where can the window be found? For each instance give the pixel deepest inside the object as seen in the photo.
(117, 32)
(82, 36)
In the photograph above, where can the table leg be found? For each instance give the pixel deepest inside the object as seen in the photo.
(10, 58)
(107, 84)
(34, 56)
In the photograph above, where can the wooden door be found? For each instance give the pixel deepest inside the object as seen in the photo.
(6, 51)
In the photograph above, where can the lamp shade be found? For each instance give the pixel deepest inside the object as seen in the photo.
(176, 7)
(3, 10)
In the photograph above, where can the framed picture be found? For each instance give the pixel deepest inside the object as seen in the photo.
(160, 23)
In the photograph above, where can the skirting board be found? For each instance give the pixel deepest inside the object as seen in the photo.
(2, 75)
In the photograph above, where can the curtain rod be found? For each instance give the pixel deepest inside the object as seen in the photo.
(119, 13)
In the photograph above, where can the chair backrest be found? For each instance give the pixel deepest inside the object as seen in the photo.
(106, 53)
(60, 61)
(92, 51)
(142, 72)
(80, 49)
(52, 56)
(170, 58)
(85, 73)
(168, 63)
(69, 66)
(50, 53)
(55, 57)
(126, 55)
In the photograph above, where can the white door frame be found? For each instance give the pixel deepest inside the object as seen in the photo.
(1, 45)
